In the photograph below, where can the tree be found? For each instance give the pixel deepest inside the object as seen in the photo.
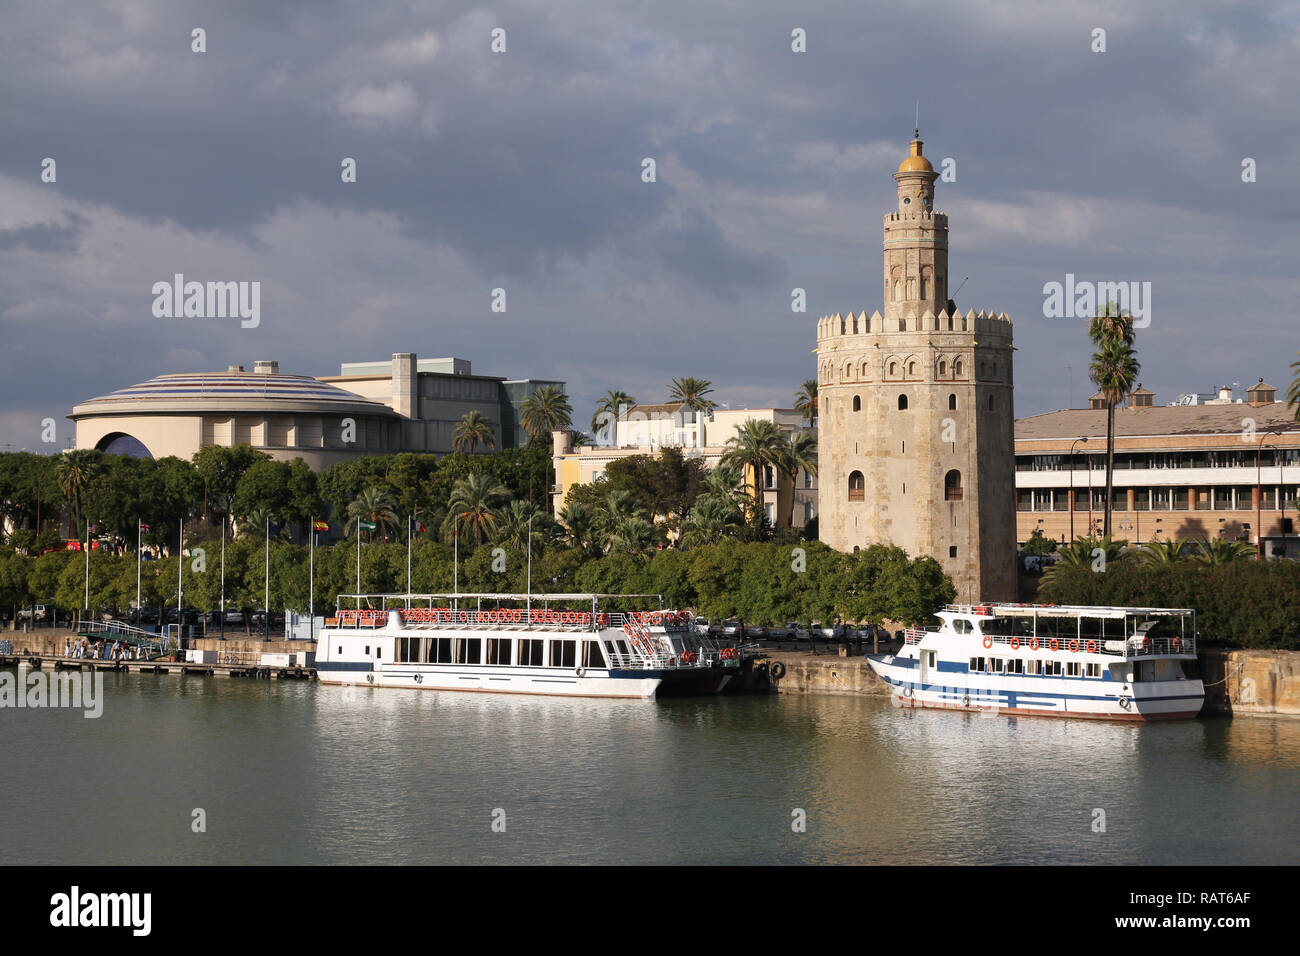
(713, 520)
(799, 452)
(579, 522)
(690, 392)
(1218, 551)
(607, 410)
(756, 444)
(221, 468)
(544, 411)
(520, 523)
(472, 430)
(1115, 370)
(473, 507)
(1039, 543)
(286, 490)
(805, 400)
(376, 506)
(1293, 390)
(75, 472)
(1171, 551)
(635, 536)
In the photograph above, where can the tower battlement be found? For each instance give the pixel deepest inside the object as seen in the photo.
(990, 322)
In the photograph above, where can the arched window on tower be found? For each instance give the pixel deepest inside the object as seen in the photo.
(952, 486)
(857, 487)
(893, 368)
(990, 403)
(857, 403)
(952, 403)
(956, 368)
(911, 370)
(925, 281)
(902, 403)
(943, 367)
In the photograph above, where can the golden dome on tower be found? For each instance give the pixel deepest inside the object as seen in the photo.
(915, 162)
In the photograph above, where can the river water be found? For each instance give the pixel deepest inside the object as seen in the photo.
(295, 772)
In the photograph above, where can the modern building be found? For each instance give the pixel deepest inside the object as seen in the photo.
(1223, 468)
(648, 429)
(371, 408)
(915, 411)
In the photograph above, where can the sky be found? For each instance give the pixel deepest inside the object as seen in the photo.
(522, 170)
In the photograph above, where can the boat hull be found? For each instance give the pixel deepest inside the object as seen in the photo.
(508, 680)
(1158, 700)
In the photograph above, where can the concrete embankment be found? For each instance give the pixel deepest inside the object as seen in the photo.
(51, 642)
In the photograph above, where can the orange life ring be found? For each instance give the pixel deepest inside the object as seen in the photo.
(1033, 643)
(1074, 647)
(1055, 645)
(604, 619)
(1015, 643)
(1177, 643)
(988, 640)
(1092, 647)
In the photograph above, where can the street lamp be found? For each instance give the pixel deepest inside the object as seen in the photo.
(1072, 447)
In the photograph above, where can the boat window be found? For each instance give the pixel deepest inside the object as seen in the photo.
(1000, 626)
(442, 651)
(1015, 667)
(367, 650)
(962, 626)
(498, 650)
(469, 650)
(622, 647)
(1072, 669)
(564, 653)
(340, 648)
(594, 658)
(530, 652)
(1094, 670)
(995, 665)
(974, 664)
(1052, 668)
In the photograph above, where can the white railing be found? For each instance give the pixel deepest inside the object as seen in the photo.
(1073, 644)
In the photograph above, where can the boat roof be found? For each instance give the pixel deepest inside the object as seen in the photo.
(1061, 610)
(500, 596)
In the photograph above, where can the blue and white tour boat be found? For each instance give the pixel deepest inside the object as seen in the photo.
(1112, 663)
(520, 644)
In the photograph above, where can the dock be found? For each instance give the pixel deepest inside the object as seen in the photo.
(251, 669)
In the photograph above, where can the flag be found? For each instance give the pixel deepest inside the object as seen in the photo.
(365, 525)
(143, 526)
(319, 526)
(420, 528)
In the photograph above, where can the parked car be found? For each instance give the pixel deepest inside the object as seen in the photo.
(794, 631)
(701, 625)
(37, 612)
(234, 620)
(730, 628)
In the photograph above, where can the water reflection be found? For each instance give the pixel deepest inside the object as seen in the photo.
(296, 772)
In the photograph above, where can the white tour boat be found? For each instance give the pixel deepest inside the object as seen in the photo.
(1113, 663)
(519, 644)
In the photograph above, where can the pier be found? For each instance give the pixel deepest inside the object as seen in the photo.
(253, 668)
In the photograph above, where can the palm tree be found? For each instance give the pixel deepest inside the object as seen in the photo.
(805, 400)
(724, 484)
(1082, 553)
(472, 430)
(580, 526)
(712, 520)
(1293, 390)
(375, 505)
(544, 411)
(617, 507)
(1222, 551)
(635, 536)
(75, 471)
(1115, 369)
(520, 523)
(1171, 551)
(473, 506)
(607, 409)
(756, 444)
(690, 392)
(798, 452)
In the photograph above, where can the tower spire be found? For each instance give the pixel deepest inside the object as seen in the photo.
(917, 129)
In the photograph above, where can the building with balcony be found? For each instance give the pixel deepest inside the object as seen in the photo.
(1224, 468)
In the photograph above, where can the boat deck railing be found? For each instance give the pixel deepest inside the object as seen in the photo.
(1130, 648)
(512, 619)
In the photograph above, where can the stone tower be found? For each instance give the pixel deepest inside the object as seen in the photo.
(916, 424)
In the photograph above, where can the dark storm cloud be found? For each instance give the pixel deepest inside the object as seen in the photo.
(523, 170)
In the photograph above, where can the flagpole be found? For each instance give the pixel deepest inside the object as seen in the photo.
(266, 593)
(529, 601)
(138, 531)
(358, 561)
(410, 519)
(180, 584)
(87, 564)
(455, 564)
(223, 577)
(311, 583)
